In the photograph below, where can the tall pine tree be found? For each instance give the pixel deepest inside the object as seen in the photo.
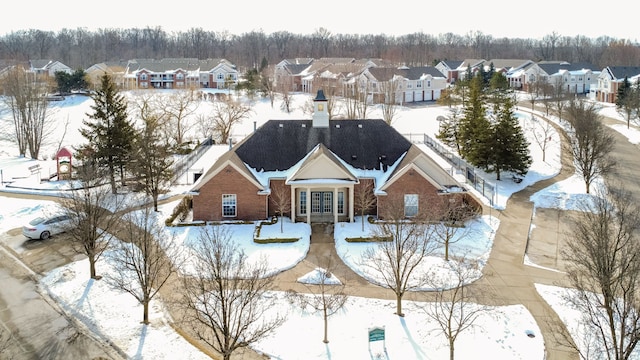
(474, 126)
(109, 132)
(510, 148)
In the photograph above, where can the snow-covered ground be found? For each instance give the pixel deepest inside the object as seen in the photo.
(503, 332)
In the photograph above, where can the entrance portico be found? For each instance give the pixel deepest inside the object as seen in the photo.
(322, 200)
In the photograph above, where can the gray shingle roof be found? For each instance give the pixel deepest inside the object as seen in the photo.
(620, 72)
(387, 73)
(553, 67)
(170, 64)
(280, 144)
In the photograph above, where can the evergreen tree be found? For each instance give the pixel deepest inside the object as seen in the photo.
(449, 131)
(510, 148)
(623, 91)
(474, 126)
(109, 133)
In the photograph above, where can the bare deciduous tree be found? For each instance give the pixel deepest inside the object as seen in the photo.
(390, 92)
(92, 212)
(26, 99)
(153, 159)
(560, 98)
(590, 142)
(542, 132)
(226, 114)
(603, 253)
(224, 300)
(145, 259)
(456, 306)
(179, 106)
(325, 295)
(404, 244)
(450, 228)
(280, 198)
(287, 98)
(364, 199)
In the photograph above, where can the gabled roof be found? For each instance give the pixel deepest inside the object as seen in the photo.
(229, 158)
(322, 153)
(170, 64)
(507, 64)
(297, 69)
(452, 64)
(620, 72)
(556, 66)
(470, 63)
(363, 144)
(434, 173)
(415, 73)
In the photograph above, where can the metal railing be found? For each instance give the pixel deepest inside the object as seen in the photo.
(484, 187)
(181, 166)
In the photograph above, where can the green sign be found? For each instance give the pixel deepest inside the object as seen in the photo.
(376, 334)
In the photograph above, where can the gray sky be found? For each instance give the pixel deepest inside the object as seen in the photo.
(499, 18)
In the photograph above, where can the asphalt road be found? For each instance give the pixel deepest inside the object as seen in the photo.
(32, 324)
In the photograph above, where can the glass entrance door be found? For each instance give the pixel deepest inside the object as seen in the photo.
(321, 202)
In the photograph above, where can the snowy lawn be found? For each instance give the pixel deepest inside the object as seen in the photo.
(472, 242)
(500, 333)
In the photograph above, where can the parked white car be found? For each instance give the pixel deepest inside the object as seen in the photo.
(43, 227)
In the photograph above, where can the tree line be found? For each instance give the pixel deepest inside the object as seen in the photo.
(81, 48)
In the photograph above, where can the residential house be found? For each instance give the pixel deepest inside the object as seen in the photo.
(180, 73)
(609, 81)
(48, 67)
(407, 85)
(468, 65)
(449, 68)
(288, 73)
(115, 69)
(330, 74)
(318, 167)
(574, 78)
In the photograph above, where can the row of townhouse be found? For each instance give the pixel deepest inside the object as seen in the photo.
(344, 76)
(168, 73)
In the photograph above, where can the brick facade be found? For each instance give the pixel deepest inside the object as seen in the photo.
(207, 205)
(278, 188)
(432, 204)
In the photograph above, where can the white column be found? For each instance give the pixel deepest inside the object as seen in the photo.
(308, 206)
(351, 197)
(335, 205)
(293, 204)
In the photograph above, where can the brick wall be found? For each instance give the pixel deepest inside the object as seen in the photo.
(207, 205)
(278, 188)
(410, 183)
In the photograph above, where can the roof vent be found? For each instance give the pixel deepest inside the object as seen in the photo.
(304, 125)
(337, 126)
(360, 126)
(280, 125)
(354, 157)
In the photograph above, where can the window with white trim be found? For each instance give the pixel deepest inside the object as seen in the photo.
(410, 205)
(303, 203)
(229, 205)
